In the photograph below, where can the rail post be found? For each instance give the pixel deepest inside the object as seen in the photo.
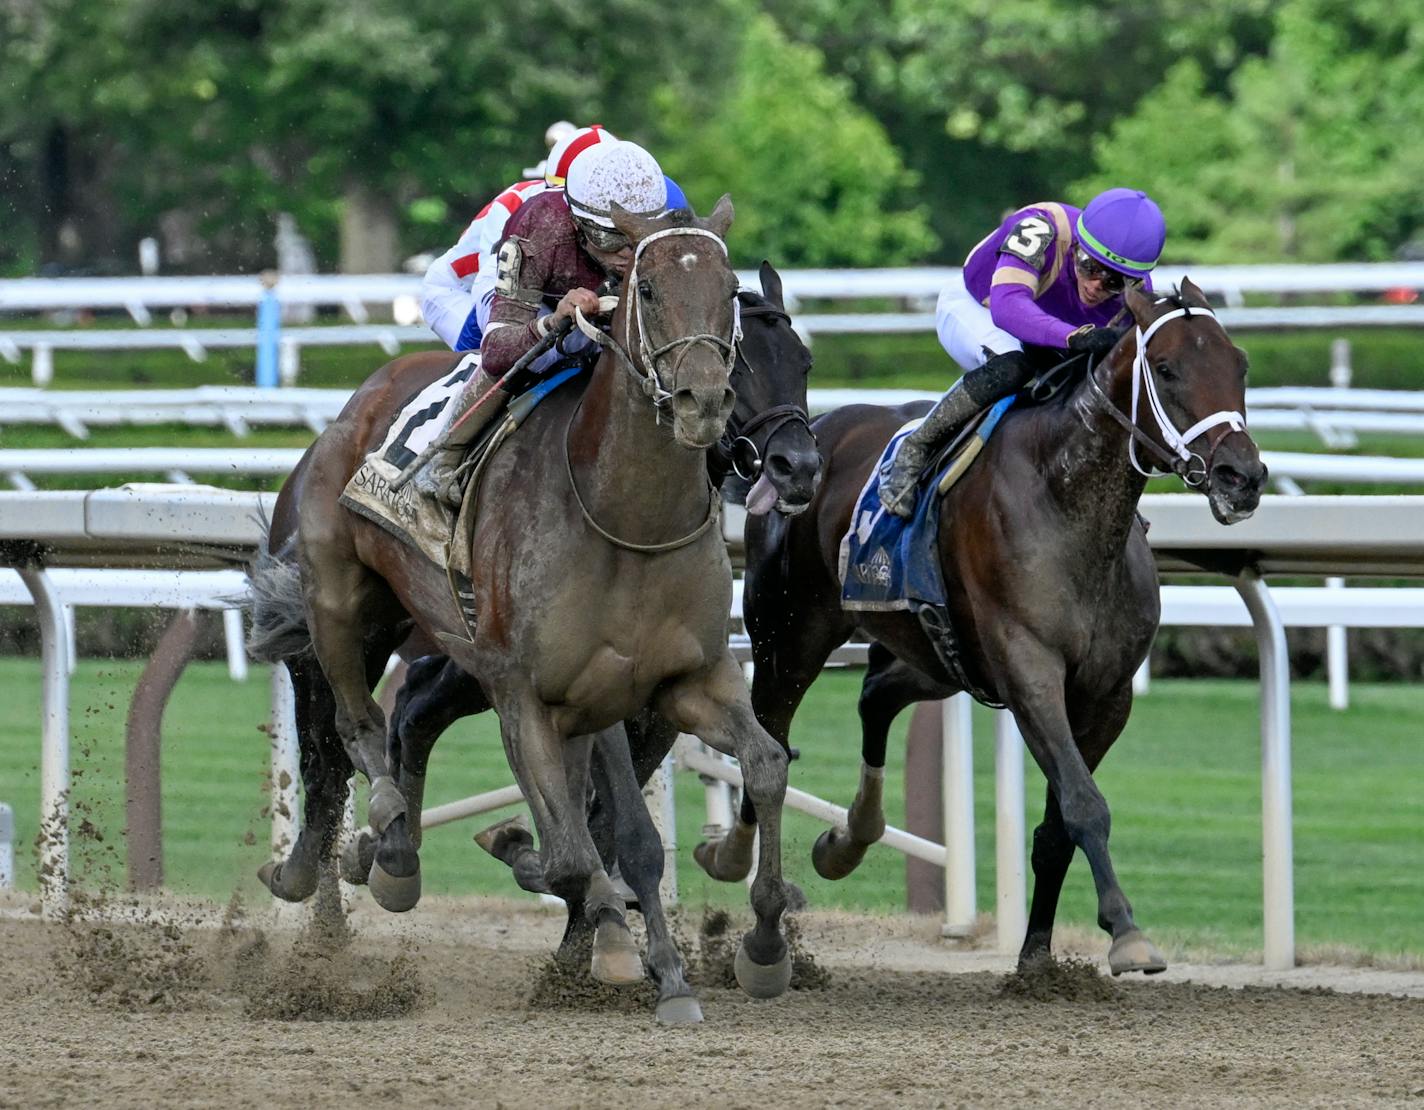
(7, 847)
(269, 332)
(960, 902)
(1278, 879)
(1012, 892)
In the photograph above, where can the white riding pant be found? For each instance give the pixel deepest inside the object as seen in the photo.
(966, 328)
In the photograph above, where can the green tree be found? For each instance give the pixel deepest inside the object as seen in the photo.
(216, 114)
(815, 179)
(1311, 153)
(996, 102)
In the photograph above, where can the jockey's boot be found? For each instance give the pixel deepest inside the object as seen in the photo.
(976, 391)
(437, 478)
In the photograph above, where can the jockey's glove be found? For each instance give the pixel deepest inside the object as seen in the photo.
(1094, 341)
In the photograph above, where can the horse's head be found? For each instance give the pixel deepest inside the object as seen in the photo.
(1189, 392)
(678, 316)
(769, 438)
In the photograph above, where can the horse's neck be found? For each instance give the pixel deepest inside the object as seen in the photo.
(1085, 462)
(634, 477)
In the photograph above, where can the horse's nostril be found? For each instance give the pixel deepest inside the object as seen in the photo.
(778, 466)
(1229, 477)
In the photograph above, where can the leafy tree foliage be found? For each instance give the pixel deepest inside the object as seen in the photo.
(1311, 153)
(815, 179)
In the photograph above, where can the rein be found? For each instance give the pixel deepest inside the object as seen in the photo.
(1177, 456)
(650, 382)
(647, 376)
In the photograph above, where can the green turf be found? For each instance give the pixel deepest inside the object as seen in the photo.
(1184, 786)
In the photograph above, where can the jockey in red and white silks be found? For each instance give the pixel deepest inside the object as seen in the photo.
(558, 248)
(452, 292)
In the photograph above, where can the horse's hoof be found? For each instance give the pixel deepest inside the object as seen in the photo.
(500, 837)
(1134, 952)
(616, 959)
(357, 855)
(683, 1010)
(712, 857)
(396, 893)
(286, 881)
(835, 855)
(762, 980)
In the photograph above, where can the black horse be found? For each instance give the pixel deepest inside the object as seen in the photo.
(1053, 592)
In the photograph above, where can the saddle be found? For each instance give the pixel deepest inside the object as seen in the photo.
(428, 524)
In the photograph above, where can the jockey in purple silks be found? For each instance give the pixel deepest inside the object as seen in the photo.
(1048, 276)
(557, 249)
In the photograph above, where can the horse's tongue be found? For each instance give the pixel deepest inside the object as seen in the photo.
(761, 497)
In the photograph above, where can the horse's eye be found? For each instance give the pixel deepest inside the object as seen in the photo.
(1166, 369)
(645, 289)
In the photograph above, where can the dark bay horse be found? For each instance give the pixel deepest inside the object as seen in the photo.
(603, 588)
(1053, 591)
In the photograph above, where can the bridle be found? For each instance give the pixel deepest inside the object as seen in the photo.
(651, 382)
(736, 448)
(1177, 456)
(647, 375)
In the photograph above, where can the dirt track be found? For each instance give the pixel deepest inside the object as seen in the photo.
(123, 1016)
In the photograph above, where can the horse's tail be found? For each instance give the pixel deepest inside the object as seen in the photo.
(279, 615)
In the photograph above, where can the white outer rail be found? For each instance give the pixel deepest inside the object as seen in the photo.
(1366, 535)
(141, 295)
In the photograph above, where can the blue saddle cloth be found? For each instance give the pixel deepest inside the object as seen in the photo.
(886, 561)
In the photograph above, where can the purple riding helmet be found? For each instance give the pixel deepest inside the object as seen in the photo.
(1123, 229)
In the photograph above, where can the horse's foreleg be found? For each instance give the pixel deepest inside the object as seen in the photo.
(889, 686)
(714, 706)
(553, 774)
(788, 653)
(436, 693)
(1036, 696)
(640, 860)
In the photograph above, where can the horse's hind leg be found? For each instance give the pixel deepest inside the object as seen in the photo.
(1035, 693)
(640, 859)
(349, 611)
(436, 693)
(325, 770)
(889, 686)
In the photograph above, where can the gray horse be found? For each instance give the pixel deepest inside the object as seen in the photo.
(602, 588)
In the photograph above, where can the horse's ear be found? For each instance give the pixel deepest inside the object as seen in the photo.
(1191, 292)
(1140, 304)
(629, 223)
(721, 218)
(771, 285)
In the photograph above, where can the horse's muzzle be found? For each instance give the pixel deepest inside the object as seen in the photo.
(795, 470)
(699, 416)
(1235, 480)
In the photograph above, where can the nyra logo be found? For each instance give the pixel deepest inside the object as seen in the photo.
(875, 571)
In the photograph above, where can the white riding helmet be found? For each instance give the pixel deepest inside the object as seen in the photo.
(620, 173)
(569, 148)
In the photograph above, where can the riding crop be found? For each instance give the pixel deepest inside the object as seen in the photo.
(552, 336)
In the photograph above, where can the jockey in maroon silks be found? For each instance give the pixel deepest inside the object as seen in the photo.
(1049, 276)
(557, 249)
(451, 294)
